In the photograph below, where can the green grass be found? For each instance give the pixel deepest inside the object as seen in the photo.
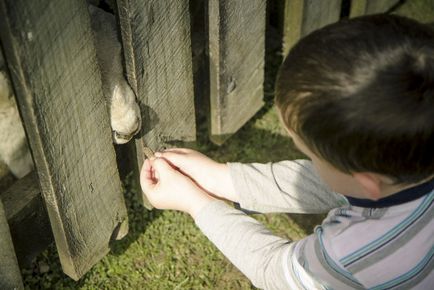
(164, 249)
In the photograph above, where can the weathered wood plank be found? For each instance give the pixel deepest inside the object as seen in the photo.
(292, 23)
(28, 219)
(319, 14)
(51, 57)
(363, 7)
(301, 17)
(380, 6)
(157, 48)
(236, 46)
(158, 58)
(10, 275)
(358, 8)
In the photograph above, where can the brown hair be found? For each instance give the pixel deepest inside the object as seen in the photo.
(360, 94)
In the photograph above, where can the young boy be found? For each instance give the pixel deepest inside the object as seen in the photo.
(357, 98)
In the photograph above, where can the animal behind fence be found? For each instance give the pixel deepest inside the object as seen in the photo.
(121, 102)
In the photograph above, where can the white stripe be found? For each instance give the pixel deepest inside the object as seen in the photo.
(290, 263)
(287, 267)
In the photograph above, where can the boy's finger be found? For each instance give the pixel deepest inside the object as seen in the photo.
(173, 157)
(147, 165)
(178, 150)
(162, 167)
(147, 180)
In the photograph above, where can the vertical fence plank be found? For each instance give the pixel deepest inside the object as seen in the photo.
(304, 16)
(157, 47)
(236, 60)
(292, 23)
(10, 275)
(319, 14)
(51, 56)
(363, 7)
(358, 8)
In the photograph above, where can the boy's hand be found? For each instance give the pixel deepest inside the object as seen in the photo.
(166, 188)
(212, 176)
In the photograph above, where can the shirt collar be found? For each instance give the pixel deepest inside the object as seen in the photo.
(400, 197)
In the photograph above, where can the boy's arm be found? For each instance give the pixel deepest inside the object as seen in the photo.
(246, 243)
(286, 186)
(270, 262)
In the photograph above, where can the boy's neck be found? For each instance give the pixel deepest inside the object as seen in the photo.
(404, 194)
(389, 188)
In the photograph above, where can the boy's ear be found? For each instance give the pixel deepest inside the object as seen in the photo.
(370, 183)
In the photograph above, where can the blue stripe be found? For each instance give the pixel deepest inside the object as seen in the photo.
(410, 274)
(396, 230)
(396, 235)
(330, 261)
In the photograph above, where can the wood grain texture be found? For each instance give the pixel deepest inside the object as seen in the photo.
(301, 17)
(28, 219)
(380, 6)
(358, 8)
(292, 23)
(10, 275)
(157, 48)
(364, 7)
(318, 14)
(51, 56)
(236, 48)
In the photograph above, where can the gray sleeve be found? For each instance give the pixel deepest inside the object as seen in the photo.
(252, 248)
(269, 261)
(286, 186)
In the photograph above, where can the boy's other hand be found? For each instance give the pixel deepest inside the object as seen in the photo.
(212, 176)
(166, 188)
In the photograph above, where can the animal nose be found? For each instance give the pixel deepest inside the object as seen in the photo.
(121, 137)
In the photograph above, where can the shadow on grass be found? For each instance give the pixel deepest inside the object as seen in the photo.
(138, 220)
(36, 278)
(307, 222)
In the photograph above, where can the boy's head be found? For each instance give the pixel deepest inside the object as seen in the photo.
(359, 95)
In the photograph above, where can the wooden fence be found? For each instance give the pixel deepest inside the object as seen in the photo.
(76, 195)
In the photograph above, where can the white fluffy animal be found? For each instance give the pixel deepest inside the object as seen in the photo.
(124, 111)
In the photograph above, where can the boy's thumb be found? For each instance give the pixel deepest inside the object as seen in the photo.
(162, 167)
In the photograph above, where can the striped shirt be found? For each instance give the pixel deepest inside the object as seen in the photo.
(362, 244)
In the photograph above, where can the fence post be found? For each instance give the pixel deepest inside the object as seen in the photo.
(236, 49)
(363, 7)
(304, 16)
